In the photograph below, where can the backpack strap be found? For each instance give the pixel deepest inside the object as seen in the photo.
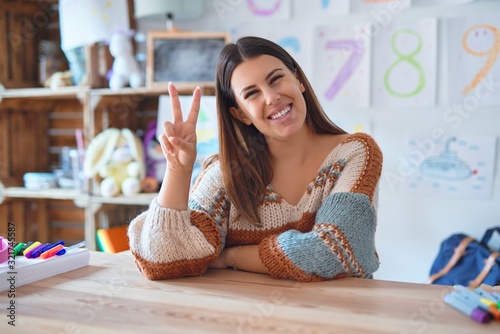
(457, 254)
(488, 264)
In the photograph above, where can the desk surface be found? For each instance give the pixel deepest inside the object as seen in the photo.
(110, 296)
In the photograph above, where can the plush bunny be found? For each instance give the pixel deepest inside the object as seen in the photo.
(125, 70)
(155, 160)
(117, 158)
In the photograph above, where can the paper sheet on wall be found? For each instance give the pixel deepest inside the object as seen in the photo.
(206, 127)
(438, 2)
(451, 166)
(473, 58)
(341, 69)
(245, 11)
(84, 22)
(320, 8)
(353, 124)
(406, 56)
(295, 39)
(392, 7)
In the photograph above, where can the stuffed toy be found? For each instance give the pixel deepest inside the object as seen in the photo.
(156, 163)
(116, 159)
(59, 79)
(125, 69)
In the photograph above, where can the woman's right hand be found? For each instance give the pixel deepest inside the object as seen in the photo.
(178, 140)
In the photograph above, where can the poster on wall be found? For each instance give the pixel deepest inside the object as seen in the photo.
(296, 40)
(353, 124)
(99, 18)
(417, 3)
(206, 126)
(474, 62)
(237, 12)
(392, 7)
(341, 66)
(320, 8)
(406, 56)
(451, 166)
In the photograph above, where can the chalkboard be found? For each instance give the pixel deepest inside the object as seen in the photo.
(183, 57)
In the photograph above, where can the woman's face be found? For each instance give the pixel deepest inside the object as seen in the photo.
(269, 96)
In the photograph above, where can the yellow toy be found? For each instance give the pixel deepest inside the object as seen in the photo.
(116, 158)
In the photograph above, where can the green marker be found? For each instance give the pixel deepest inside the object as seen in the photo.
(18, 247)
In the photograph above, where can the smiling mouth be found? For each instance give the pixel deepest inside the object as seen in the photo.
(281, 114)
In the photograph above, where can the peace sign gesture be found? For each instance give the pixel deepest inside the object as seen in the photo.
(178, 140)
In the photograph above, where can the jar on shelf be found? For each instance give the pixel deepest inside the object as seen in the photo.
(51, 60)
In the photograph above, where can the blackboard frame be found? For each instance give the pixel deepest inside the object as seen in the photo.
(159, 40)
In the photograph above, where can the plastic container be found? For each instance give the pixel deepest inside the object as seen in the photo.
(38, 181)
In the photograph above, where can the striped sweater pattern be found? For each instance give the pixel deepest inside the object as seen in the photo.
(328, 234)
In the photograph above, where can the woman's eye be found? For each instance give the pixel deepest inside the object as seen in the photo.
(250, 93)
(276, 78)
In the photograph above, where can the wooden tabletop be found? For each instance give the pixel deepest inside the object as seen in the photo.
(110, 296)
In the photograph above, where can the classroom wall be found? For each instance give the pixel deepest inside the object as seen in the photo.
(410, 226)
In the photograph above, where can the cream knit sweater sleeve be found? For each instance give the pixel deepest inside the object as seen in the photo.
(171, 244)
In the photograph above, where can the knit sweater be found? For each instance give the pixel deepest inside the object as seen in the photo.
(328, 234)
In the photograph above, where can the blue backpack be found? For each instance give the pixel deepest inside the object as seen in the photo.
(464, 261)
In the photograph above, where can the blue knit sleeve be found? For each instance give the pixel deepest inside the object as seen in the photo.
(340, 244)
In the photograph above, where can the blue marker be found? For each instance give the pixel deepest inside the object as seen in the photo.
(36, 253)
(72, 248)
(479, 301)
(467, 308)
(485, 294)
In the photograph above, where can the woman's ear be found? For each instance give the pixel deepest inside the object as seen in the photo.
(301, 85)
(240, 115)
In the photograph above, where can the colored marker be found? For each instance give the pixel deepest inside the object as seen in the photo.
(33, 245)
(16, 249)
(467, 308)
(76, 246)
(30, 252)
(26, 245)
(487, 305)
(55, 244)
(51, 252)
(37, 252)
(485, 294)
(496, 295)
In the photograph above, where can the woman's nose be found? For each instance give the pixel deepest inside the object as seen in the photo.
(271, 96)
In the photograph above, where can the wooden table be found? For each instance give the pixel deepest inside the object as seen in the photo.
(110, 296)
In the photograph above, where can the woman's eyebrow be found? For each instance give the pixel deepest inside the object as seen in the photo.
(270, 74)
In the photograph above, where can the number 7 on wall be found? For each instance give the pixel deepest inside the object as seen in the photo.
(357, 51)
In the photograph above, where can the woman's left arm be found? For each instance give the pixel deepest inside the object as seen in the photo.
(342, 240)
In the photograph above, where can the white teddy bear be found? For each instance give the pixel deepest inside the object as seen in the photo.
(117, 157)
(125, 69)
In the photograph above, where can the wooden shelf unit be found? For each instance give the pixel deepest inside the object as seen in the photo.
(35, 123)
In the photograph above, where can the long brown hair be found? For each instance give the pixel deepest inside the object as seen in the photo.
(243, 152)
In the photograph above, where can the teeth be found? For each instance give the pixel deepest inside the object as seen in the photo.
(281, 113)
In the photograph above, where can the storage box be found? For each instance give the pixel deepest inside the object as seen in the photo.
(23, 24)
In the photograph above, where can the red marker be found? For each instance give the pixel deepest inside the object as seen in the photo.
(51, 252)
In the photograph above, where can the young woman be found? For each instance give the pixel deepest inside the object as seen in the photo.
(289, 194)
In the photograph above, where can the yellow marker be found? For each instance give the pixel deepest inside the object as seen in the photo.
(33, 245)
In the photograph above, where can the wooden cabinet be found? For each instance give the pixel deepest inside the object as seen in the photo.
(35, 124)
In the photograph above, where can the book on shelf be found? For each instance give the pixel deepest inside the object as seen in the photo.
(113, 240)
(25, 271)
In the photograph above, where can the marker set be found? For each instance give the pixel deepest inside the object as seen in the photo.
(32, 250)
(476, 303)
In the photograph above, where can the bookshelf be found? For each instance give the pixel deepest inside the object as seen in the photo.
(39, 122)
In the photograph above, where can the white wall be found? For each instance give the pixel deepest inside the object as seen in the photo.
(410, 228)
